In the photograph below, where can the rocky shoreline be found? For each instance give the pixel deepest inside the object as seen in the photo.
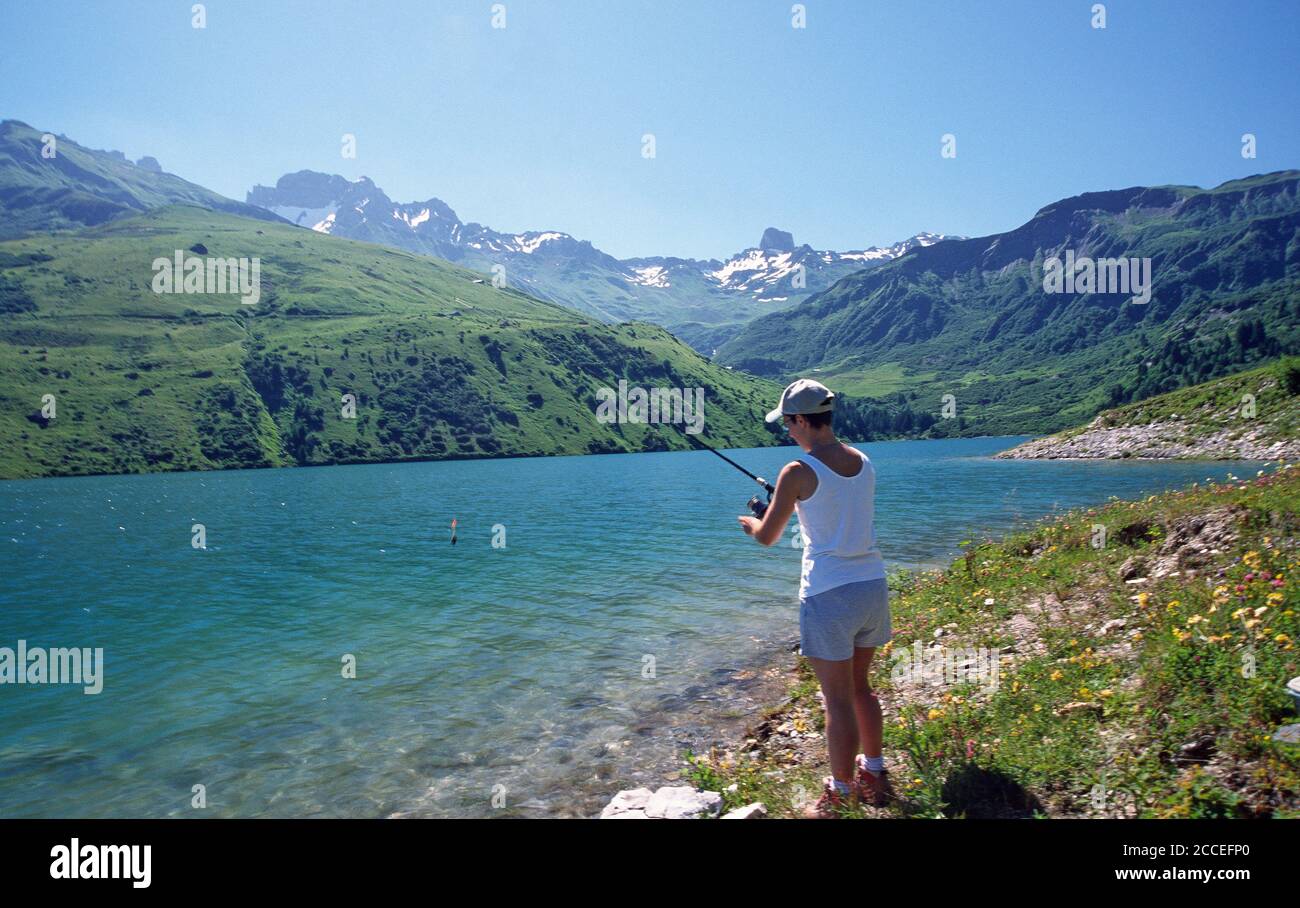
(760, 690)
(1169, 440)
(685, 802)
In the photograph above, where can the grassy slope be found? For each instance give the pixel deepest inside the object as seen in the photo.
(1214, 405)
(1193, 413)
(1136, 687)
(152, 382)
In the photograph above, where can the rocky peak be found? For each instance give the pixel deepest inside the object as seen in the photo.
(776, 241)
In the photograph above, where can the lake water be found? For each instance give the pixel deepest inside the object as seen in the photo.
(516, 670)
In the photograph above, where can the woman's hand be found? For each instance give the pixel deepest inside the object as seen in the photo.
(796, 482)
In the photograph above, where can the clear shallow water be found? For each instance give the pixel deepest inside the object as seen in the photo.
(476, 667)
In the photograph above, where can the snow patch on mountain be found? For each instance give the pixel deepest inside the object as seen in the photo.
(303, 217)
(528, 243)
(876, 253)
(653, 276)
(411, 222)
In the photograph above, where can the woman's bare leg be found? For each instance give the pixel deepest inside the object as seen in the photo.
(836, 679)
(865, 703)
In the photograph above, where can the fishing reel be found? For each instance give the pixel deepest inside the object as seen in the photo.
(759, 508)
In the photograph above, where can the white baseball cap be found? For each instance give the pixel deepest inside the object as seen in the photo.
(803, 396)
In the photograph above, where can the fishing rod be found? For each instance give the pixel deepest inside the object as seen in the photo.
(759, 508)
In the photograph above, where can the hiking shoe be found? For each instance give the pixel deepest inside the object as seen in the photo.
(830, 805)
(874, 788)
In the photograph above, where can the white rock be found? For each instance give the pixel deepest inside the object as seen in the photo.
(1112, 624)
(630, 800)
(755, 811)
(682, 802)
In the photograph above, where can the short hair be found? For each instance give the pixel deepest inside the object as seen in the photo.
(817, 420)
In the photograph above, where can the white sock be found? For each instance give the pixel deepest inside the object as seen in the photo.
(843, 788)
(874, 765)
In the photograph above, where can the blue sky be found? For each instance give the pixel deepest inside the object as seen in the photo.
(832, 132)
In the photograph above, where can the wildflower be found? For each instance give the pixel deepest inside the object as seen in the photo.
(1057, 675)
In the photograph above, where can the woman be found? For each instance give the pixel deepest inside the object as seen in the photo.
(843, 596)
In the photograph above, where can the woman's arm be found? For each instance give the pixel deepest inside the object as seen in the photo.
(791, 486)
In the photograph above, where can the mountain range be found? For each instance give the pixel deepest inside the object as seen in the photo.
(936, 336)
(49, 182)
(702, 301)
(977, 318)
(101, 373)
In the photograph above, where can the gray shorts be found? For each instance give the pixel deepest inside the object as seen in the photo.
(833, 622)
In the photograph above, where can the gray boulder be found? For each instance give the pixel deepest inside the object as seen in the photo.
(683, 803)
(627, 805)
(755, 811)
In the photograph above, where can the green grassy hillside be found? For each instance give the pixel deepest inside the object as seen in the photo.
(1251, 415)
(442, 364)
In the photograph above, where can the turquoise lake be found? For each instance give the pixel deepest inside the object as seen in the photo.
(480, 670)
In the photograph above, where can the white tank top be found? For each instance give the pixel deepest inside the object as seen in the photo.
(838, 526)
